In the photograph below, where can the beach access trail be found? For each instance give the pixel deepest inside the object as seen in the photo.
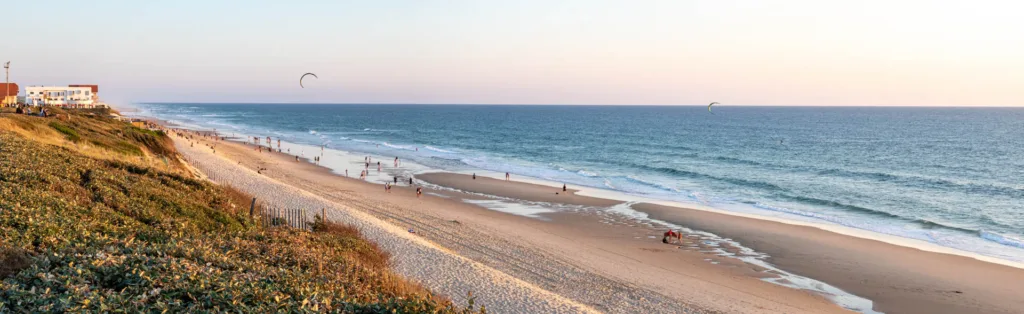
(511, 264)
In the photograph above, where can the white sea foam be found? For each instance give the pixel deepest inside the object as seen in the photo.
(522, 209)
(438, 149)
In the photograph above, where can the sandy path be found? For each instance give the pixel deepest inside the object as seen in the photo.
(413, 257)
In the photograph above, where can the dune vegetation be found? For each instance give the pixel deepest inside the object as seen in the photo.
(97, 215)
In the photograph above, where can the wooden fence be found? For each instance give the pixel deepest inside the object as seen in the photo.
(272, 216)
(269, 215)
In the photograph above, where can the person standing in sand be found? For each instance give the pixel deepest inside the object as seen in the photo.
(506, 176)
(378, 166)
(563, 187)
(419, 192)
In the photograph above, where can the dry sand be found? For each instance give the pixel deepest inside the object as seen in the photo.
(571, 259)
(413, 256)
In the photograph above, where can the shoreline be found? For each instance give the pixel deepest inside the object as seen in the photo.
(865, 267)
(621, 271)
(620, 197)
(853, 231)
(544, 193)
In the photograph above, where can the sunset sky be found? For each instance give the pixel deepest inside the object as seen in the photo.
(910, 53)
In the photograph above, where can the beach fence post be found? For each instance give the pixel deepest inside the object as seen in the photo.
(323, 215)
(252, 207)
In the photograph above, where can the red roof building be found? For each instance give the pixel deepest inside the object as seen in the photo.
(95, 88)
(6, 90)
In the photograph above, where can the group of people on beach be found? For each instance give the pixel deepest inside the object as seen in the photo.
(670, 236)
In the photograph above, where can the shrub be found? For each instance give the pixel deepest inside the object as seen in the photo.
(70, 134)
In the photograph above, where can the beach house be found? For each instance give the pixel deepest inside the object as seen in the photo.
(71, 96)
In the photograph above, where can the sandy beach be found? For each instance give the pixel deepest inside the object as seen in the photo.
(898, 279)
(606, 262)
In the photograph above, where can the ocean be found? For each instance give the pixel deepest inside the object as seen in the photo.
(949, 176)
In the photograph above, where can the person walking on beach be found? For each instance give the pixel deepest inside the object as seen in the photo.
(378, 166)
(563, 187)
(506, 176)
(419, 192)
(474, 176)
(346, 173)
(410, 181)
(396, 162)
(396, 179)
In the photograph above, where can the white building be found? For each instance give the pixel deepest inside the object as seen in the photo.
(63, 96)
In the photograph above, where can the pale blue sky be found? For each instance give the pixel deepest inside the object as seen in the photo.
(797, 52)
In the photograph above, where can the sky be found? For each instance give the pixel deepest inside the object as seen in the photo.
(651, 52)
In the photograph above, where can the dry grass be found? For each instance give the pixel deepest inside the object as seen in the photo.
(93, 133)
(372, 256)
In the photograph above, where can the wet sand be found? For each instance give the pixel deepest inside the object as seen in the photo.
(898, 279)
(513, 189)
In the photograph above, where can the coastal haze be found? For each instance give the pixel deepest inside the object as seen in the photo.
(551, 156)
